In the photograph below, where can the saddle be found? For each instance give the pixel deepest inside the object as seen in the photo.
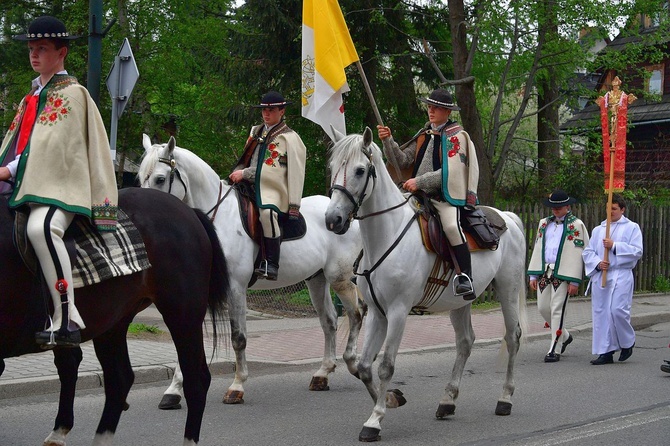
(246, 197)
(95, 256)
(482, 226)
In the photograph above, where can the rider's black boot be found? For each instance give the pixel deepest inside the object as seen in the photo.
(269, 267)
(463, 282)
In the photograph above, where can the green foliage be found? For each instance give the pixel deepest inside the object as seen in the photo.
(143, 328)
(661, 284)
(202, 63)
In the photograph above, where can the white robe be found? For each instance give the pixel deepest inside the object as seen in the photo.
(611, 305)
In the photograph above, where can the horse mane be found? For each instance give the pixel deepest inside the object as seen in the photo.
(147, 164)
(349, 148)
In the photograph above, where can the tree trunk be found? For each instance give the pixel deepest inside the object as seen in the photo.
(465, 96)
(548, 147)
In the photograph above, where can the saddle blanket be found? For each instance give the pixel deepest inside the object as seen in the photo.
(103, 255)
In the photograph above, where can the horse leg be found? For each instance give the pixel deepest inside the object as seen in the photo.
(511, 306)
(67, 362)
(465, 338)
(348, 295)
(394, 330)
(237, 311)
(174, 393)
(197, 377)
(319, 293)
(112, 352)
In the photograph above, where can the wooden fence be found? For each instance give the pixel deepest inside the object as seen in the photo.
(653, 221)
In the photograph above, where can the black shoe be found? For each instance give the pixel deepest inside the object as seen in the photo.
(626, 353)
(566, 343)
(665, 367)
(605, 358)
(552, 357)
(59, 338)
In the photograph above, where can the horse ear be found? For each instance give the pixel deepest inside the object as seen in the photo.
(172, 143)
(336, 134)
(146, 142)
(367, 137)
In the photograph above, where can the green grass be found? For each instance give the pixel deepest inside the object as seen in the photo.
(486, 305)
(143, 328)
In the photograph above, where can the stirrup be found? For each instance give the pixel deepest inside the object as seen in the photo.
(52, 337)
(262, 271)
(469, 282)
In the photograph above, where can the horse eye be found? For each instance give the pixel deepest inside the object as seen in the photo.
(360, 171)
(160, 181)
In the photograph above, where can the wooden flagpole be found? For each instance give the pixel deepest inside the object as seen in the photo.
(373, 103)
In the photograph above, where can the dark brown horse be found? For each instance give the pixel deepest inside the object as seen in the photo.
(187, 278)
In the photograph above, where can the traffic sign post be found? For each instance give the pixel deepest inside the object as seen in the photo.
(120, 83)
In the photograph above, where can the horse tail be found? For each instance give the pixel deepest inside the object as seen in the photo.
(219, 280)
(523, 316)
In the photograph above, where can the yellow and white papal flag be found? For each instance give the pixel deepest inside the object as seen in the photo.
(327, 50)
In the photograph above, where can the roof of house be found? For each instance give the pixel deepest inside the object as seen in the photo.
(640, 112)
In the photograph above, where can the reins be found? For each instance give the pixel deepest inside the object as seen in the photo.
(368, 272)
(219, 201)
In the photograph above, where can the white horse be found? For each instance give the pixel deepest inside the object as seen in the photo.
(320, 258)
(395, 268)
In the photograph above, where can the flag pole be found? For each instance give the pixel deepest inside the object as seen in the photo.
(611, 103)
(373, 103)
(609, 202)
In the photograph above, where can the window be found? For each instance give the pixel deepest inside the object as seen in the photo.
(654, 84)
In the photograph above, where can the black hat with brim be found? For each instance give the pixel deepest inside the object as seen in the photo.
(558, 199)
(45, 27)
(441, 98)
(272, 99)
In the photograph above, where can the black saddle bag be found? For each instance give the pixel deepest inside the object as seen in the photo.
(474, 222)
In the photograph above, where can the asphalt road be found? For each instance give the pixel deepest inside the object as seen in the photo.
(566, 403)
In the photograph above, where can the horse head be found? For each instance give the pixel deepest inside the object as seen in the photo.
(159, 170)
(353, 159)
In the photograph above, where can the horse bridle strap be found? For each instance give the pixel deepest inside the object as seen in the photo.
(173, 172)
(220, 199)
(368, 272)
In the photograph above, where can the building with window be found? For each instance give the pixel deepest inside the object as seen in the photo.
(648, 149)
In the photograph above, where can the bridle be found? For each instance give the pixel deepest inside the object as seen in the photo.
(174, 172)
(354, 215)
(372, 173)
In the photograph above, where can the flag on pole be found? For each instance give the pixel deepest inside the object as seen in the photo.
(327, 49)
(614, 125)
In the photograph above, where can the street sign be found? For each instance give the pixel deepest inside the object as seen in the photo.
(120, 83)
(122, 77)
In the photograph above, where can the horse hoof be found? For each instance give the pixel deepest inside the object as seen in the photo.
(369, 434)
(444, 410)
(170, 402)
(503, 408)
(319, 383)
(233, 397)
(395, 398)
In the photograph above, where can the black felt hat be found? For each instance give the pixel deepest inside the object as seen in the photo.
(46, 27)
(441, 98)
(272, 99)
(558, 198)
